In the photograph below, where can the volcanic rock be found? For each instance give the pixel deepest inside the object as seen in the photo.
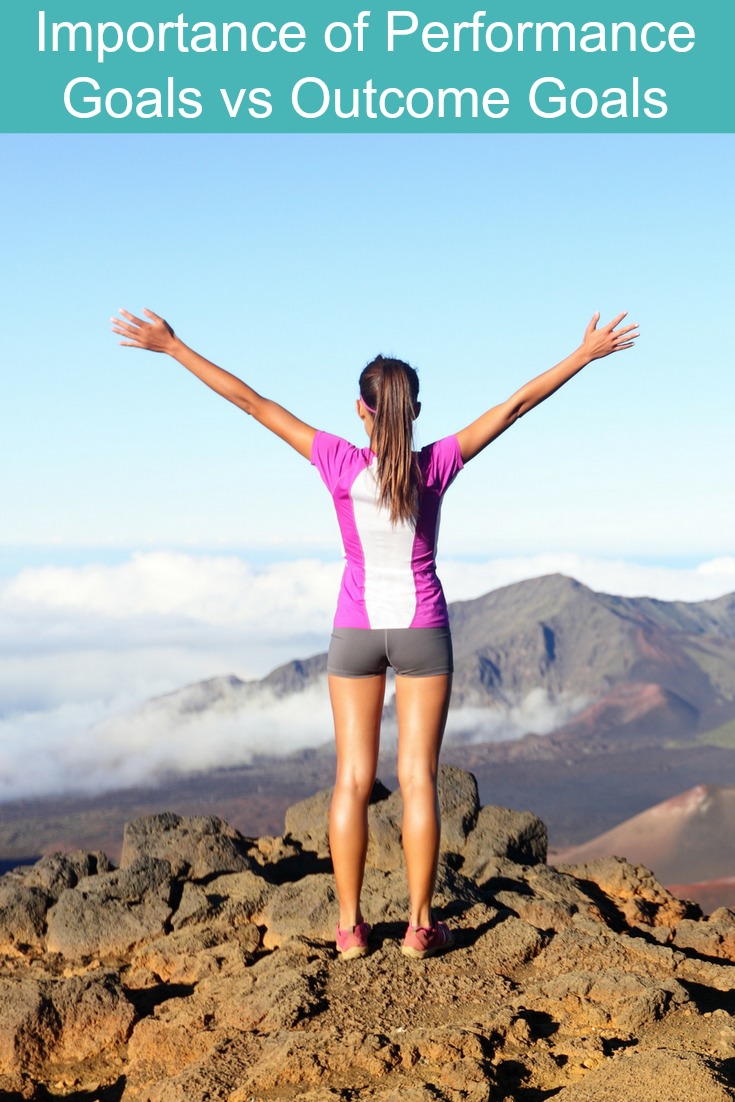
(588, 983)
(196, 847)
(112, 912)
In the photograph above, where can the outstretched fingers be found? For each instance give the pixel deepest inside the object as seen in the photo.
(131, 317)
(130, 328)
(616, 321)
(593, 323)
(154, 335)
(600, 342)
(625, 338)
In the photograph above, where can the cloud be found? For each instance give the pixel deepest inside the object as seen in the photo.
(175, 589)
(74, 748)
(713, 578)
(538, 712)
(83, 648)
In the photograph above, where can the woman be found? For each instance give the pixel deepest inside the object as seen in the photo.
(391, 609)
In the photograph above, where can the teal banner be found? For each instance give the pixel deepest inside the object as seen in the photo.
(284, 66)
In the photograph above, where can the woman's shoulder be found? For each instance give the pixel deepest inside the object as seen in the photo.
(333, 456)
(441, 461)
(328, 443)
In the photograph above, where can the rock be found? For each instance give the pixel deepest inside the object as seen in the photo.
(108, 914)
(713, 938)
(600, 948)
(307, 823)
(24, 1016)
(539, 894)
(634, 892)
(385, 897)
(22, 916)
(239, 895)
(385, 850)
(190, 955)
(273, 851)
(609, 999)
(507, 944)
(211, 1078)
(195, 907)
(195, 847)
(56, 871)
(61, 1023)
(589, 983)
(306, 907)
(459, 805)
(658, 1076)
(499, 832)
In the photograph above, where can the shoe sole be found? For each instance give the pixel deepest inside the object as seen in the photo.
(354, 952)
(421, 954)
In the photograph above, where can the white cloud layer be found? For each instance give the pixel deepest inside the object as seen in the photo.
(82, 648)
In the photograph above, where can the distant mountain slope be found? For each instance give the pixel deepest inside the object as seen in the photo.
(623, 667)
(686, 839)
(555, 633)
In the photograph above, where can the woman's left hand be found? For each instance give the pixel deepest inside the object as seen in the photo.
(601, 342)
(155, 335)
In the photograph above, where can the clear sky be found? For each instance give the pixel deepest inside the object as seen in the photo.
(292, 260)
(152, 535)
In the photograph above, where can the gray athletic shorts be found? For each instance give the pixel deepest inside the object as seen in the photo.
(412, 652)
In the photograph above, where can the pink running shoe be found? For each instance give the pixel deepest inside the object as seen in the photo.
(353, 941)
(426, 941)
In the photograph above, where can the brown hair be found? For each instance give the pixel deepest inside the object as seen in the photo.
(391, 388)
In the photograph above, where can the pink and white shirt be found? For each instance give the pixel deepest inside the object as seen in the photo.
(390, 578)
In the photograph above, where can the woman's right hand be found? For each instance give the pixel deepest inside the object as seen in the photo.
(155, 335)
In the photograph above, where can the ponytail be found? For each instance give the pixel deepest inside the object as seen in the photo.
(391, 388)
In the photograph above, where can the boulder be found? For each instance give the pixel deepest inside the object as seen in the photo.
(22, 916)
(519, 836)
(307, 822)
(634, 892)
(190, 955)
(459, 805)
(239, 895)
(306, 907)
(108, 914)
(385, 850)
(61, 1023)
(714, 938)
(588, 1001)
(196, 847)
(55, 872)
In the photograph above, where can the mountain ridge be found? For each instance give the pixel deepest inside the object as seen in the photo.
(557, 634)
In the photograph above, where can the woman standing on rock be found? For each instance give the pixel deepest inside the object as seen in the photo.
(391, 609)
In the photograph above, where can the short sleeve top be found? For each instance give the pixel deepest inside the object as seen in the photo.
(390, 578)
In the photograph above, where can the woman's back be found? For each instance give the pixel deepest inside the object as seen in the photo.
(390, 576)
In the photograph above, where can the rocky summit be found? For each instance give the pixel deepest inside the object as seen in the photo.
(204, 968)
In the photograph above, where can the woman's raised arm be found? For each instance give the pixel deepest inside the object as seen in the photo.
(156, 335)
(595, 344)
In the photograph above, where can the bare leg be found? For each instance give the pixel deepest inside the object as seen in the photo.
(421, 705)
(357, 705)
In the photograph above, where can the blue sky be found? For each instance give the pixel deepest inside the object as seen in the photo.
(292, 260)
(153, 536)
